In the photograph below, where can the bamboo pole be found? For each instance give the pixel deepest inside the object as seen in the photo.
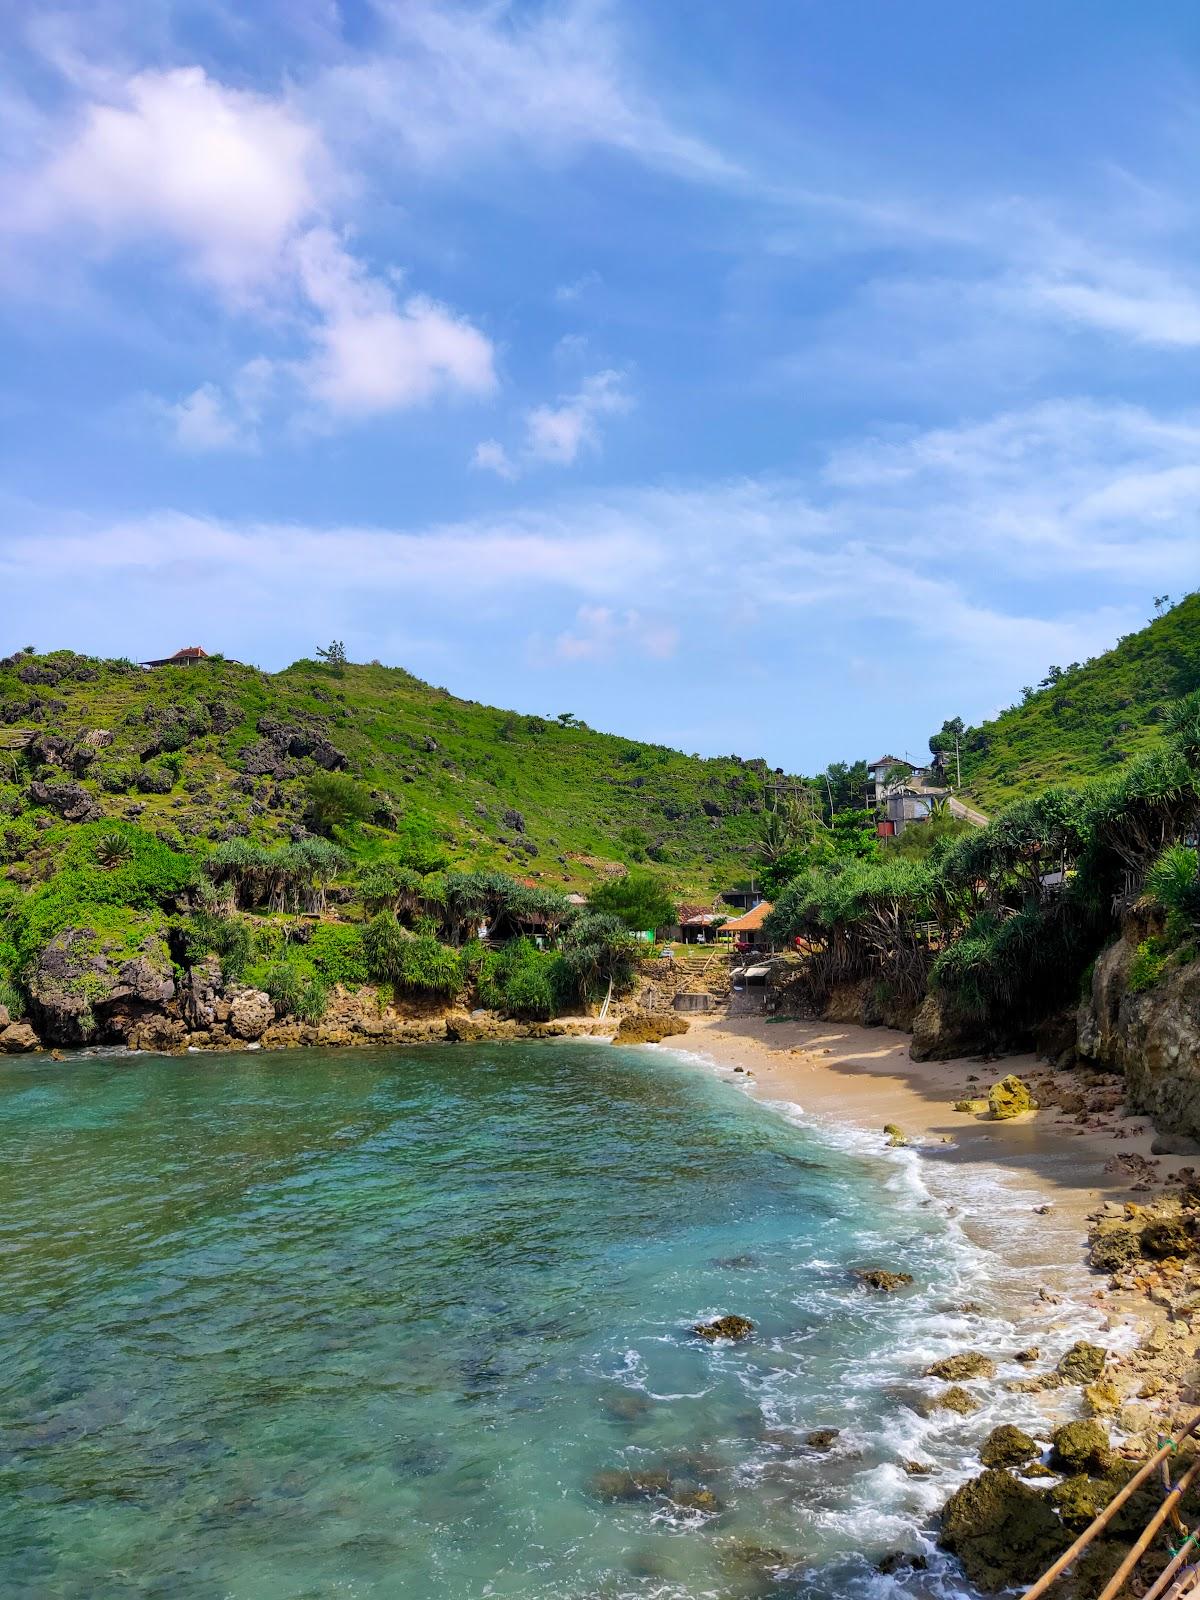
(1117, 1582)
(1186, 1585)
(1110, 1511)
(1172, 1567)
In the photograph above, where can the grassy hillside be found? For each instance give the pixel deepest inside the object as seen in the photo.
(208, 752)
(1088, 718)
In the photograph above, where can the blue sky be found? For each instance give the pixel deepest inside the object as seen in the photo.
(777, 379)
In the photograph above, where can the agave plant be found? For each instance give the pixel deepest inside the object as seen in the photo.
(113, 850)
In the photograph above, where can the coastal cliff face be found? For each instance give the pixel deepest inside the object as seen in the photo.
(1151, 1035)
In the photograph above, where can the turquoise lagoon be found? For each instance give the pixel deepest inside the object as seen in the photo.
(370, 1324)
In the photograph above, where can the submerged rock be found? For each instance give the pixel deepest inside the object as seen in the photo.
(918, 1469)
(1003, 1532)
(970, 1364)
(881, 1278)
(1010, 1098)
(727, 1327)
(955, 1398)
(823, 1438)
(616, 1485)
(901, 1561)
(1007, 1446)
(1083, 1362)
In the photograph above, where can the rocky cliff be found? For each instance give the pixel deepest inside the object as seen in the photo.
(1150, 1032)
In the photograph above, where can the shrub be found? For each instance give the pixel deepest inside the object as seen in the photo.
(294, 992)
(113, 850)
(1148, 965)
(334, 801)
(518, 980)
(337, 952)
(227, 938)
(417, 963)
(1174, 883)
(11, 998)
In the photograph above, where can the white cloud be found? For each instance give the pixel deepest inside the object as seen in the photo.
(491, 456)
(374, 355)
(557, 433)
(241, 186)
(202, 421)
(1144, 305)
(227, 175)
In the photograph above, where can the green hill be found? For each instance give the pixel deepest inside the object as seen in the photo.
(1082, 721)
(203, 753)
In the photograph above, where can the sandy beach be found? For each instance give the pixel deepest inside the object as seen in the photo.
(1066, 1164)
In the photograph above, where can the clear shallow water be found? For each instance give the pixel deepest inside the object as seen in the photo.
(367, 1324)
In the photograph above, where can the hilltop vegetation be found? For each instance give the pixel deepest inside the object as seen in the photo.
(206, 753)
(1082, 721)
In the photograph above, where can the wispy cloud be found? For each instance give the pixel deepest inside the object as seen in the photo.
(457, 82)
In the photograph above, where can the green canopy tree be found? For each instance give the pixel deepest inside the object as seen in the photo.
(638, 900)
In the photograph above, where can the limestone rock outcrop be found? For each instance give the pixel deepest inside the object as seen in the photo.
(89, 986)
(1152, 1035)
(251, 1013)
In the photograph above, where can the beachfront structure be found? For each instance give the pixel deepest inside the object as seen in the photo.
(745, 933)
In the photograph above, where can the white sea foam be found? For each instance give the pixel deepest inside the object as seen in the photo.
(983, 1297)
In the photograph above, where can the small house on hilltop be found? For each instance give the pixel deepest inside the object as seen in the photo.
(189, 656)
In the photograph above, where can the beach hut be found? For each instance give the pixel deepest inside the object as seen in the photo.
(745, 933)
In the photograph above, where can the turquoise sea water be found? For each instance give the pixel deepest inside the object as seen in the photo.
(369, 1324)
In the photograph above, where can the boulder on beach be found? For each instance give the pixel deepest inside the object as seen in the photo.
(639, 1027)
(970, 1364)
(895, 1136)
(1083, 1362)
(1010, 1098)
(1080, 1447)
(1115, 1245)
(1007, 1446)
(1167, 1236)
(727, 1327)
(17, 1038)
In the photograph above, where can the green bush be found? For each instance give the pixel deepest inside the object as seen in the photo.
(11, 998)
(294, 992)
(1148, 964)
(412, 963)
(518, 979)
(1173, 882)
(336, 801)
(227, 938)
(337, 952)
